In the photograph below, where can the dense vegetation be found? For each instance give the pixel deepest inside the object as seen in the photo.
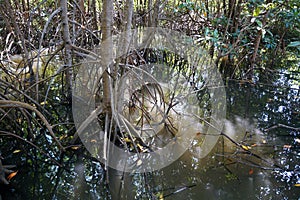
(43, 43)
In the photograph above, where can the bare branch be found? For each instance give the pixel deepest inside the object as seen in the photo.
(17, 104)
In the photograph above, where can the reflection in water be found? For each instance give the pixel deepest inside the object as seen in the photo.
(229, 172)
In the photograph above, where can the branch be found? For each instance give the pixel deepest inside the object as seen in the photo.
(239, 145)
(86, 122)
(283, 126)
(5, 133)
(3, 171)
(17, 104)
(68, 45)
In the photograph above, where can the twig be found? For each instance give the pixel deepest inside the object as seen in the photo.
(5, 133)
(239, 145)
(180, 190)
(249, 152)
(283, 126)
(86, 122)
(17, 104)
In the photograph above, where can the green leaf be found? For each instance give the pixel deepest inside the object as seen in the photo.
(294, 44)
(259, 23)
(206, 32)
(256, 12)
(268, 31)
(216, 34)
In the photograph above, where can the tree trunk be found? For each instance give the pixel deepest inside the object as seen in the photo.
(127, 25)
(153, 18)
(256, 47)
(68, 47)
(106, 49)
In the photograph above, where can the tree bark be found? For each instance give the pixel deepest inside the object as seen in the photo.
(256, 47)
(153, 15)
(127, 24)
(68, 47)
(106, 49)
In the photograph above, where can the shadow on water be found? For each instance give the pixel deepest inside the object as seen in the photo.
(262, 117)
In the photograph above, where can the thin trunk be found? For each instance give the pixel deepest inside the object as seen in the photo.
(20, 35)
(82, 18)
(82, 9)
(150, 15)
(154, 19)
(256, 47)
(224, 7)
(106, 49)
(128, 23)
(153, 14)
(106, 61)
(238, 15)
(126, 28)
(95, 25)
(113, 177)
(68, 47)
(120, 184)
(218, 12)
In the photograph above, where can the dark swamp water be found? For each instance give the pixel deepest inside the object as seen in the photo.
(264, 116)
